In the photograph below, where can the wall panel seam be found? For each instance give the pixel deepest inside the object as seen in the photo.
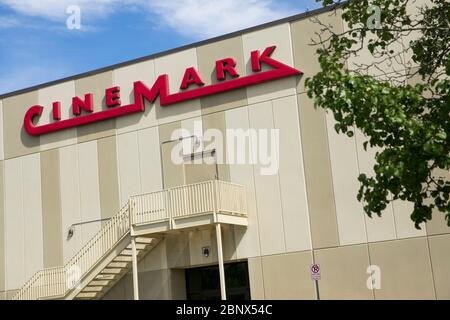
(279, 183)
(431, 267)
(247, 109)
(363, 212)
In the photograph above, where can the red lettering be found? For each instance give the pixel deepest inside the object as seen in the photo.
(86, 105)
(112, 97)
(190, 77)
(56, 110)
(143, 94)
(226, 65)
(257, 58)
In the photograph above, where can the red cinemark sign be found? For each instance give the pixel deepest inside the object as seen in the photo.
(160, 88)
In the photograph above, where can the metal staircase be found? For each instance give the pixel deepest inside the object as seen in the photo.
(108, 256)
(109, 273)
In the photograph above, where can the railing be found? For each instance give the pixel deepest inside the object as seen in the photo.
(53, 282)
(150, 207)
(199, 198)
(46, 283)
(7, 294)
(231, 198)
(111, 233)
(194, 199)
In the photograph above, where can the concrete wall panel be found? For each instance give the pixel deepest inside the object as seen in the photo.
(89, 189)
(345, 172)
(32, 214)
(319, 181)
(51, 209)
(378, 229)
(108, 175)
(17, 142)
(405, 269)
(70, 200)
(343, 273)
(150, 160)
(124, 78)
(280, 36)
(2, 229)
(62, 93)
(247, 239)
(128, 155)
(440, 261)
(175, 65)
(207, 56)
(304, 34)
(96, 84)
(268, 195)
(288, 277)
(291, 176)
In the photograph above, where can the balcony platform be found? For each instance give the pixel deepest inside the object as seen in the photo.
(191, 206)
(188, 222)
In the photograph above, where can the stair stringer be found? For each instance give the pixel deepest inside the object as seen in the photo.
(140, 256)
(100, 265)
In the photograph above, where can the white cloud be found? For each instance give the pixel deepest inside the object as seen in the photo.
(207, 18)
(190, 18)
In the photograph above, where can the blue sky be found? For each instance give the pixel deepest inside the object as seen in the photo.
(36, 46)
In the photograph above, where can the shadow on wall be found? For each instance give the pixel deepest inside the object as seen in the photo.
(27, 140)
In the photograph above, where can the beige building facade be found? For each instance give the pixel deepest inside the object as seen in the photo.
(74, 180)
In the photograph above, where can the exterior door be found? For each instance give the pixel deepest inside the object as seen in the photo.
(203, 283)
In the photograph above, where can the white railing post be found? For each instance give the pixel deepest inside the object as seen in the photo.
(218, 195)
(214, 198)
(168, 207)
(131, 212)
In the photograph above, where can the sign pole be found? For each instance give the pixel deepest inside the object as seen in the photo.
(317, 289)
(315, 276)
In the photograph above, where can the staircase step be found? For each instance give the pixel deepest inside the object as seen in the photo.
(103, 283)
(144, 240)
(128, 252)
(92, 289)
(115, 269)
(123, 259)
(87, 295)
(139, 246)
(121, 265)
(112, 271)
(105, 277)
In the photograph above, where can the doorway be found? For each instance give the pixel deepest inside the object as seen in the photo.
(203, 283)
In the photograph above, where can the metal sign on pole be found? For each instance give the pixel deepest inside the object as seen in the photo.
(315, 271)
(315, 275)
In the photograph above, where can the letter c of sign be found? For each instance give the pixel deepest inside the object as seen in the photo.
(34, 111)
